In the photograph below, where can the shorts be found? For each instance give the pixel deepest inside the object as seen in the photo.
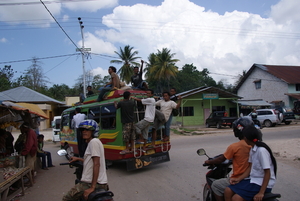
(77, 191)
(142, 127)
(218, 186)
(247, 190)
(128, 132)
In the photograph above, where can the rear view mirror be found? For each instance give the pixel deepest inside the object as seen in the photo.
(62, 152)
(201, 152)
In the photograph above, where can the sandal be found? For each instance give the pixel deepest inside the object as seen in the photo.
(124, 152)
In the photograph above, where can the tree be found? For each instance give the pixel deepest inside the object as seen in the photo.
(34, 77)
(6, 75)
(127, 57)
(162, 67)
(59, 92)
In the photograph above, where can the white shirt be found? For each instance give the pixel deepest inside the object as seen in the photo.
(166, 107)
(261, 160)
(150, 109)
(77, 119)
(94, 148)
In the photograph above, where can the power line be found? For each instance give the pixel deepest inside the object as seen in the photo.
(46, 2)
(5, 62)
(59, 25)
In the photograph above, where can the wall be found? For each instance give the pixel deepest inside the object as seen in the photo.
(272, 88)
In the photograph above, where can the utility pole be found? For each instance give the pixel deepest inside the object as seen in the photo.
(83, 51)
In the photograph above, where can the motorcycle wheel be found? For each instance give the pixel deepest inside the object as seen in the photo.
(207, 195)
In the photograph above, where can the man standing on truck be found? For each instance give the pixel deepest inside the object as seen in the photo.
(127, 119)
(94, 169)
(77, 118)
(137, 79)
(142, 127)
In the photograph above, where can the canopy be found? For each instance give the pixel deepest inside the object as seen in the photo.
(252, 103)
(33, 109)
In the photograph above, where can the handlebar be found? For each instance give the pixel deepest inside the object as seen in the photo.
(64, 164)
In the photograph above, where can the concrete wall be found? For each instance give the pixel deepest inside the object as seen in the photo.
(272, 88)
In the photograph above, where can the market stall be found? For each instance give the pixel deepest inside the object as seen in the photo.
(13, 171)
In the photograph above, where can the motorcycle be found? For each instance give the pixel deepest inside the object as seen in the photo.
(98, 194)
(218, 171)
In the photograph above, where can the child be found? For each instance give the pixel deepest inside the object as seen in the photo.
(262, 171)
(43, 154)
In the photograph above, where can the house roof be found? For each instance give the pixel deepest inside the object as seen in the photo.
(204, 89)
(294, 95)
(24, 94)
(253, 103)
(288, 74)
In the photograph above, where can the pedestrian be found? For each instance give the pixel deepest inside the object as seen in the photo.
(43, 154)
(127, 119)
(142, 127)
(77, 118)
(30, 146)
(94, 168)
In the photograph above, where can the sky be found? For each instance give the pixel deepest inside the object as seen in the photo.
(224, 36)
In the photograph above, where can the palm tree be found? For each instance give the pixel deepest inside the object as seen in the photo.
(127, 58)
(164, 66)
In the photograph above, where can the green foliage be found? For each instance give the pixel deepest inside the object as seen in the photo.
(127, 57)
(6, 75)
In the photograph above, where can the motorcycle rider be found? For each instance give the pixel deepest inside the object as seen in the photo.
(238, 152)
(94, 169)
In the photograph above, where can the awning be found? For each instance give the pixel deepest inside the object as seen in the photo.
(31, 108)
(295, 95)
(252, 103)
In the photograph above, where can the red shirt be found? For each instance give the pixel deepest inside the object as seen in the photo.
(30, 144)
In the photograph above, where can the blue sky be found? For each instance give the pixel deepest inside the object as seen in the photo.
(224, 36)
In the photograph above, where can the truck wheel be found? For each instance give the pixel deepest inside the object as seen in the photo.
(287, 122)
(218, 126)
(268, 123)
(207, 125)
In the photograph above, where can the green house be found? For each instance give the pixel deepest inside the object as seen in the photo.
(198, 103)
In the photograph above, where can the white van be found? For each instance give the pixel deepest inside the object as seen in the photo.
(56, 128)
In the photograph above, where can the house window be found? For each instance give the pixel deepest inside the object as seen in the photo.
(257, 84)
(187, 111)
(297, 87)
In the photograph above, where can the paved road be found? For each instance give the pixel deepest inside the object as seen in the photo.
(180, 179)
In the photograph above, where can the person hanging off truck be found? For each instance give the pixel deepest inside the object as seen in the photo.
(137, 78)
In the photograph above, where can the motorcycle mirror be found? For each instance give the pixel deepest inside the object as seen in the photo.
(62, 152)
(201, 152)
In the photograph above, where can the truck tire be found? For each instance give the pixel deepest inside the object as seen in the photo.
(287, 122)
(207, 125)
(218, 126)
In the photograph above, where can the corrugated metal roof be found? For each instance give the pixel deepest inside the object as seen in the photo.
(24, 94)
(253, 102)
(289, 74)
(204, 89)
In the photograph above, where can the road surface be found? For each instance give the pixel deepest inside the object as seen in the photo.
(182, 178)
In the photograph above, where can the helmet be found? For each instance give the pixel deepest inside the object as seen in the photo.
(254, 115)
(90, 125)
(239, 124)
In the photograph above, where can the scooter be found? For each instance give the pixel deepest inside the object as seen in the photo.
(98, 194)
(218, 171)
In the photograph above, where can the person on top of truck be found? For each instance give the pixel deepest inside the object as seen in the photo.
(137, 78)
(112, 85)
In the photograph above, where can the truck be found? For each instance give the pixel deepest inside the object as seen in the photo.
(219, 119)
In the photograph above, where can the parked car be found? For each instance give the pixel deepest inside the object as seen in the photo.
(268, 117)
(287, 113)
(219, 118)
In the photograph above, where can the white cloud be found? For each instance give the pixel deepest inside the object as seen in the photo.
(65, 18)
(3, 40)
(286, 11)
(225, 44)
(29, 13)
(101, 71)
(91, 6)
(97, 44)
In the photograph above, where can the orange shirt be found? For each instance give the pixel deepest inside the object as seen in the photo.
(239, 153)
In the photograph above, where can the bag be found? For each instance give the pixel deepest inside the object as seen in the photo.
(175, 112)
